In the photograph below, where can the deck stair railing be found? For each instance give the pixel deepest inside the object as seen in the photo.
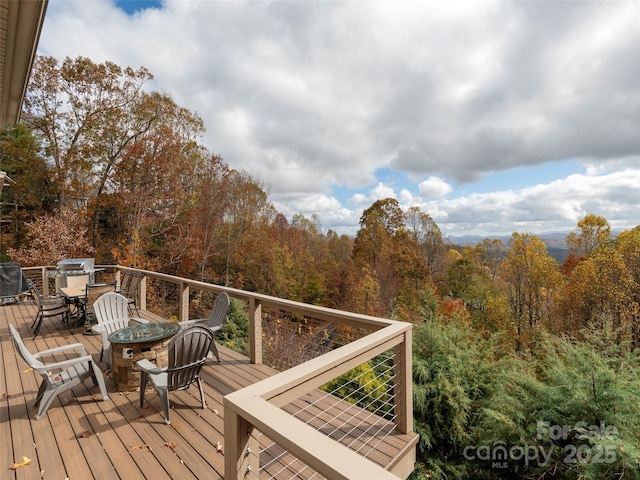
(343, 391)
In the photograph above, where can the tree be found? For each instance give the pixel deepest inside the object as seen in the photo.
(208, 228)
(93, 117)
(379, 224)
(249, 241)
(83, 112)
(628, 244)
(426, 233)
(591, 232)
(469, 281)
(491, 253)
(603, 288)
(531, 278)
(52, 237)
(32, 191)
(152, 192)
(384, 246)
(473, 402)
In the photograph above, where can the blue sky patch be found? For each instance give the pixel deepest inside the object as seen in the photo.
(133, 6)
(524, 176)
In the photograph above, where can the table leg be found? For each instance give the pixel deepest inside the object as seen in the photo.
(80, 315)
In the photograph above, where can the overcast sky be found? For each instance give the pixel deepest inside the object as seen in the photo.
(491, 116)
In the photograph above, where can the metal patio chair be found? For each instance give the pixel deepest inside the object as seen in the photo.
(93, 292)
(47, 308)
(129, 287)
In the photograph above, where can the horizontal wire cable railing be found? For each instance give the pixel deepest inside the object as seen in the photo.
(356, 409)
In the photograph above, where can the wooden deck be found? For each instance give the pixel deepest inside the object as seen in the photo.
(82, 438)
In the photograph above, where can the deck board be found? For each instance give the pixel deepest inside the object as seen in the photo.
(82, 437)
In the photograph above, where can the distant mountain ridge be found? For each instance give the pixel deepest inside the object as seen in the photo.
(555, 242)
(556, 239)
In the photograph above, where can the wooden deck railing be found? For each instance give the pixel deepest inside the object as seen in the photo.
(258, 407)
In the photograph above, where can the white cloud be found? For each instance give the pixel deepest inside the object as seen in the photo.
(381, 191)
(311, 95)
(358, 199)
(541, 208)
(434, 187)
(406, 197)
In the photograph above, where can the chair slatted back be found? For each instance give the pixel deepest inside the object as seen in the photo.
(130, 290)
(188, 351)
(95, 291)
(26, 355)
(37, 296)
(220, 308)
(124, 282)
(111, 310)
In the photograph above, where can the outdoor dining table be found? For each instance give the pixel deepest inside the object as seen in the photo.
(74, 295)
(131, 344)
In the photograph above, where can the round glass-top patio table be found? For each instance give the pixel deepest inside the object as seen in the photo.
(131, 344)
(145, 332)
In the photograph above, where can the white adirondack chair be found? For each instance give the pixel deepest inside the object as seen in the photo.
(112, 313)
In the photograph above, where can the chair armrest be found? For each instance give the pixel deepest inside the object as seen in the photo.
(73, 346)
(63, 363)
(148, 367)
(139, 321)
(195, 321)
(98, 329)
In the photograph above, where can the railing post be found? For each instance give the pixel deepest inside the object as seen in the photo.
(45, 282)
(241, 449)
(183, 313)
(403, 387)
(255, 331)
(142, 292)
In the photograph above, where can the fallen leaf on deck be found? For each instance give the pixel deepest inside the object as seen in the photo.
(219, 447)
(146, 445)
(144, 407)
(5, 395)
(27, 370)
(216, 411)
(25, 461)
(175, 427)
(170, 444)
(85, 434)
